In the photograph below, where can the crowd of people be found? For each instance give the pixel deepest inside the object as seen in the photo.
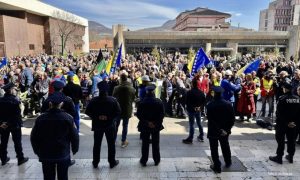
(158, 88)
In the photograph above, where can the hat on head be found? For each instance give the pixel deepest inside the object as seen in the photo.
(146, 78)
(71, 73)
(58, 84)
(103, 86)
(104, 76)
(150, 88)
(228, 73)
(287, 85)
(8, 86)
(218, 89)
(56, 99)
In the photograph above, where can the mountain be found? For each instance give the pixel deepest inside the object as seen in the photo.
(99, 28)
(167, 26)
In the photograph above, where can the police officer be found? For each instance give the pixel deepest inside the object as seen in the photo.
(150, 113)
(67, 106)
(104, 110)
(11, 123)
(220, 115)
(287, 120)
(52, 136)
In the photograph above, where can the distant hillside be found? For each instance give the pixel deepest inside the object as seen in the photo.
(167, 26)
(100, 28)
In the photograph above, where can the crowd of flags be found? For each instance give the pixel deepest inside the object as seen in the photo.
(111, 65)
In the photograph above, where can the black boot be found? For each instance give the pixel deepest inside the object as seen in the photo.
(289, 158)
(276, 159)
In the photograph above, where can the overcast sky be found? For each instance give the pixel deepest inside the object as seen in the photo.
(137, 14)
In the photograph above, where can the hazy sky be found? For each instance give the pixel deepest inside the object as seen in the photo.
(137, 14)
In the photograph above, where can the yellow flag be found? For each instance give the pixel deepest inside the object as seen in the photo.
(241, 71)
(190, 64)
(109, 64)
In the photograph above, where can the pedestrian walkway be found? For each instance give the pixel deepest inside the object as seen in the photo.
(250, 145)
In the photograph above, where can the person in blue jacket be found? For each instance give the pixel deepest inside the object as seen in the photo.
(229, 87)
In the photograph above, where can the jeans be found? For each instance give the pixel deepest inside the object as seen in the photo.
(50, 169)
(125, 128)
(77, 117)
(270, 101)
(192, 117)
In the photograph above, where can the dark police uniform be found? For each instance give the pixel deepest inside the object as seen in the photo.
(287, 111)
(150, 113)
(68, 105)
(10, 117)
(220, 115)
(104, 110)
(52, 136)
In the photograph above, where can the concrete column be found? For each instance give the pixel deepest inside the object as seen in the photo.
(234, 47)
(208, 48)
(85, 38)
(294, 43)
(118, 37)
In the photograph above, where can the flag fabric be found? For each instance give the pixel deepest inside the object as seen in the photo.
(239, 72)
(190, 64)
(109, 64)
(200, 60)
(253, 66)
(101, 66)
(3, 62)
(119, 58)
(99, 57)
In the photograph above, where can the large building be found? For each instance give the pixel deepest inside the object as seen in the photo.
(280, 15)
(29, 27)
(201, 19)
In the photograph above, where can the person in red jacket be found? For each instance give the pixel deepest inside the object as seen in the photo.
(203, 82)
(246, 105)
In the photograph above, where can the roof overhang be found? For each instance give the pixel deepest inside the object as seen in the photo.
(37, 8)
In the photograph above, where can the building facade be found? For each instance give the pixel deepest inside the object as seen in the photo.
(201, 19)
(31, 27)
(280, 15)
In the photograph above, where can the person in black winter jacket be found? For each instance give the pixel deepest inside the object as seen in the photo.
(195, 99)
(220, 115)
(11, 123)
(104, 110)
(287, 122)
(51, 137)
(150, 113)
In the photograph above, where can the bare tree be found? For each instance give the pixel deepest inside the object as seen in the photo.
(65, 29)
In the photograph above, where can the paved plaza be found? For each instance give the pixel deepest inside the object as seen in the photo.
(250, 145)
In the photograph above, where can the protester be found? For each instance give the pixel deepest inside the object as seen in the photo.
(125, 95)
(195, 99)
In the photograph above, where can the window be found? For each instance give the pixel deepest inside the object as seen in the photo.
(31, 46)
(266, 24)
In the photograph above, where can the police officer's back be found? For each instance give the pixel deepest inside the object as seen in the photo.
(287, 122)
(52, 136)
(150, 113)
(68, 105)
(103, 110)
(11, 123)
(220, 115)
